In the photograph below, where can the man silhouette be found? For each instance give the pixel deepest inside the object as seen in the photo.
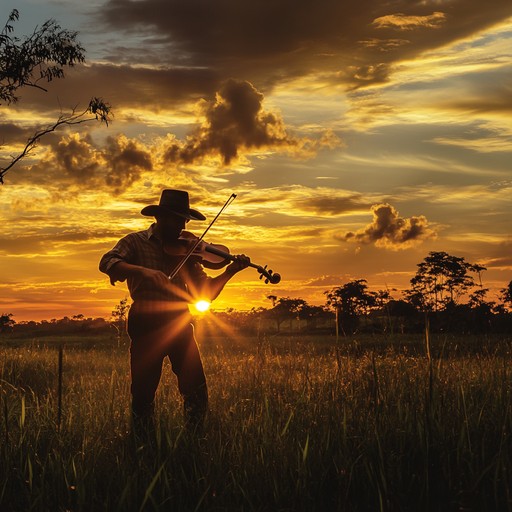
(159, 322)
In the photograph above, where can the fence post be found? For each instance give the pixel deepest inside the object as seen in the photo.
(59, 389)
(336, 320)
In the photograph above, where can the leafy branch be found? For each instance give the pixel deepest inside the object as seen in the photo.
(39, 57)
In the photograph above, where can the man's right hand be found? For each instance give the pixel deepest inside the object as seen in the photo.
(156, 278)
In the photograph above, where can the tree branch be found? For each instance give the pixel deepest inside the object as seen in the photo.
(96, 108)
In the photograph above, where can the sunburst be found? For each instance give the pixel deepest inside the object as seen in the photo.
(202, 306)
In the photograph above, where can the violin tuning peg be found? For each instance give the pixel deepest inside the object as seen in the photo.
(266, 281)
(261, 276)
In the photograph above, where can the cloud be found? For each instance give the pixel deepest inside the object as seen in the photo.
(47, 241)
(390, 231)
(231, 125)
(325, 280)
(500, 257)
(403, 22)
(126, 159)
(500, 142)
(504, 263)
(76, 161)
(236, 122)
(332, 203)
(124, 86)
(271, 42)
(77, 157)
(10, 132)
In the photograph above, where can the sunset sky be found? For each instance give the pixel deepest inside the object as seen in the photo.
(358, 137)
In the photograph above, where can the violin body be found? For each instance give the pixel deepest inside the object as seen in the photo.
(212, 256)
(214, 261)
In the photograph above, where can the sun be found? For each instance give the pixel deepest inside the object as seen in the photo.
(202, 306)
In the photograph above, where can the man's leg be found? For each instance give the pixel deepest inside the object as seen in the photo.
(146, 370)
(146, 357)
(188, 367)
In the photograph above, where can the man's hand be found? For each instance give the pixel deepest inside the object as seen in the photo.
(239, 263)
(156, 278)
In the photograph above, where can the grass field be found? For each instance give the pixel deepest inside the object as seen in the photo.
(296, 424)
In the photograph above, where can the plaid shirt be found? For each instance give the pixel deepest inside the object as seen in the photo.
(145, 249)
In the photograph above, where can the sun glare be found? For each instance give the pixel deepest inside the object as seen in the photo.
(202, 306)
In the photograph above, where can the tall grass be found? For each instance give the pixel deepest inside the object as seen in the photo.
(295, 424)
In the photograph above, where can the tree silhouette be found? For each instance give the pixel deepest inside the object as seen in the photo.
(119, 318)
(350, 301)
(441, 279)
(285, 308)
(506, 294)
(272, 298)
(401, 314)
(6, 322)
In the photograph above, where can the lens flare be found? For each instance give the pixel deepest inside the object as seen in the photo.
(202, 306)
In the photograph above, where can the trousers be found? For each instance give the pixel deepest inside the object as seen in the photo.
(156, 331)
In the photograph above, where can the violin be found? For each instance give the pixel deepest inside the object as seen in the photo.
(213, 256)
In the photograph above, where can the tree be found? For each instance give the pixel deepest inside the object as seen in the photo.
(119, 318)
(6, 322)
(441, 279)
(506, 294)
(401, 314)
(313, 314)
(36, 59)
(350, 301)
(272, 298)
(285, 308)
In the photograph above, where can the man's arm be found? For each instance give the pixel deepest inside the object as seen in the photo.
(122, 270)
(115, 263)
(215, 285)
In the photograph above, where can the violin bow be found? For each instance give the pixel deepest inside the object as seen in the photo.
(179, 266)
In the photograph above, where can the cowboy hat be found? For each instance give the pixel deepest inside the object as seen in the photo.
(173, 202)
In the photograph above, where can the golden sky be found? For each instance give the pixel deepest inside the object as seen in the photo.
(358, 137)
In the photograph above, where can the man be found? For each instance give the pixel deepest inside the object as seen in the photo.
(159, 320)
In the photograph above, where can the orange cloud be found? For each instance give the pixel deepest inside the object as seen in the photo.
(390, 231)
(402, 21)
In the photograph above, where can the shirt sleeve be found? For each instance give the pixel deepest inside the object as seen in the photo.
(197, 280)
(198, 275)
(122, 251)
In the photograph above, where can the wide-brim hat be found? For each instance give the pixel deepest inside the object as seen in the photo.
(173, 202)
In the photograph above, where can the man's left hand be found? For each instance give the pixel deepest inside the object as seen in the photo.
(239, 263)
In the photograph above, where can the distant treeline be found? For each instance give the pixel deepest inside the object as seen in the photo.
(297, 316)
(62, 326)
(446, 295)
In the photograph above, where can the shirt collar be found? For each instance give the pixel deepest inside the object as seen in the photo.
(152, 232)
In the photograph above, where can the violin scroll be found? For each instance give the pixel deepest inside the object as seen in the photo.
(270, 276)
